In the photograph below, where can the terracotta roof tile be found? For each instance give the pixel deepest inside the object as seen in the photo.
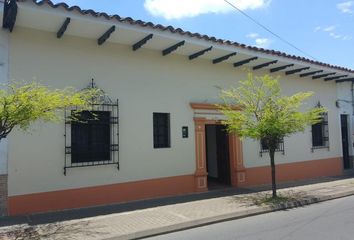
(182, 32)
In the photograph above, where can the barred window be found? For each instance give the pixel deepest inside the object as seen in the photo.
(161, 130)
(90, 137)
(320, 136)
(265, 147)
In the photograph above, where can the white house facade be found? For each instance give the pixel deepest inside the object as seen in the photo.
(158, 132)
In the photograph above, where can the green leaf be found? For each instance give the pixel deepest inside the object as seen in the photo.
(21, 104)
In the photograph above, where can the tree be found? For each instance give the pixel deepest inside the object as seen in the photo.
(21, 104)
(266, 114)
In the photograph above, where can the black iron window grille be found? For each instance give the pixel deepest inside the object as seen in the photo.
(320, 133)
(161, 130)
(92, 136)
(265, 149)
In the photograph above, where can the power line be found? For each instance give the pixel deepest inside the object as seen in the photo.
(268, 30)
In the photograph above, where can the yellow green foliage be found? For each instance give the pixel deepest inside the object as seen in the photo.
(266, 113)
(21, 104)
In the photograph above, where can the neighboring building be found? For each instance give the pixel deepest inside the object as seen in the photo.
(163, 137)
(345, 104)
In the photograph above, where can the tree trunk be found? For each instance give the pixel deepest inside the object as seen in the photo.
(272, 164)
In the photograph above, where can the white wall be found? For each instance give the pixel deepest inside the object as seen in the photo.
(298, 146)
(145, 82)
(3, 79)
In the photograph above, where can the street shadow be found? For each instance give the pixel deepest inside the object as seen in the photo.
(284, 201)
(54, 231)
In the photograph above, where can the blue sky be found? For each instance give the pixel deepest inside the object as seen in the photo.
(323, 29)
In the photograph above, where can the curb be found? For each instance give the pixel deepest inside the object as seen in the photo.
(256, 210)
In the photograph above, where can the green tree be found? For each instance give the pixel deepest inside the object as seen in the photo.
(266, 114)
(21, 104)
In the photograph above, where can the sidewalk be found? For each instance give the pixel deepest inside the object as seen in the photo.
(146, 218)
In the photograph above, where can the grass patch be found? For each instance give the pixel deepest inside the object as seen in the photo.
(269, 200)
(266, 199)
(282, 198)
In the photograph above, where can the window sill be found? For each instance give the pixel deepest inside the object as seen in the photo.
(90, 164)
(319, 147)
(267, 151)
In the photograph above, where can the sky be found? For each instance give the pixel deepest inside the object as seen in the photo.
(323, 29)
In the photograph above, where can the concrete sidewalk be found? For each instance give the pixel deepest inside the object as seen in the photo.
(152, 217)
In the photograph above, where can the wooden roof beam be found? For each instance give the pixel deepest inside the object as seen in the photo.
(172, 48)
(63, 27)
(345, 80)
(281, 68)
(106, 35)
(223, 58)
(323, 75)
(296, 70)
(335, 77)
(10, 14)
(264, 65)
(200, 53)
(310, 73)
(142, 42)
(240, 63)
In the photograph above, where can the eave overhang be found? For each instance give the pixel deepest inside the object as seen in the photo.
(46, 16)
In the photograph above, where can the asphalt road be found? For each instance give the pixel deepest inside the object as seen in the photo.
(331, 220)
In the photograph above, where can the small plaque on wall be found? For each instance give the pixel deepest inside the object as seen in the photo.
(184, 132)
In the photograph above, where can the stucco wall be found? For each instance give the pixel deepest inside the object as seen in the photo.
(298, 146)
(4, 56)
(3, 79)
(145, 82)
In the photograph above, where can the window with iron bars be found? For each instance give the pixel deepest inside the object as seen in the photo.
(91, 137)
(161, 130)
(265, 148)
(320, 134)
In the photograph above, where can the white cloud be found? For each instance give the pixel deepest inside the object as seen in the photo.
(252, 35)
(347, 38)
(177, 9)
(336, 36)
(318, 28)
(329, 28)
(331, 31)
(259, 41)
(263, 42)
(346, 7)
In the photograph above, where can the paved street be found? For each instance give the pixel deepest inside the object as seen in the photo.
(331, 220)
(328, 220)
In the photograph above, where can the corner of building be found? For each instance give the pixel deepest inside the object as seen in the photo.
(4, 66)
